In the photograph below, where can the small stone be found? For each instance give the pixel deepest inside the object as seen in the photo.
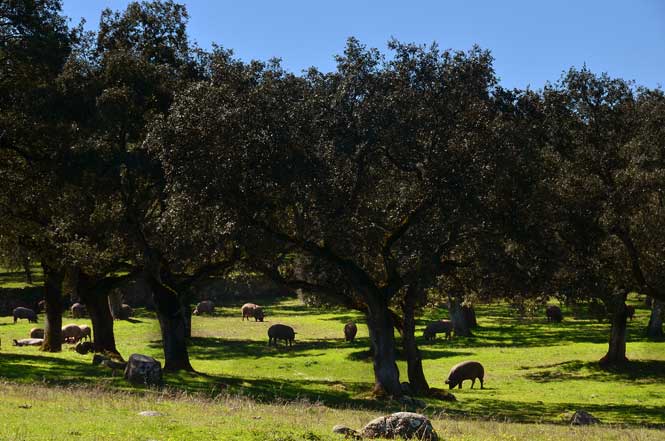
(151, 413)
(346, 431)
(582, 418)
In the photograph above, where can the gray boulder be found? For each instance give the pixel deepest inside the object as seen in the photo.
(582, 418)
(143, 370)
(406, 425)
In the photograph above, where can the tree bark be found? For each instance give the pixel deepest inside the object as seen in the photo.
(27, 270)
(172, 324)
(616, 353)
(655, 327)
(414, 360)
(187, 317)
(96, 302)
(458, 317)
(53, 279)
(115, 303)
(382, 338)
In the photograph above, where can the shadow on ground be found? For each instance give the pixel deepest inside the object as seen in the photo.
(643, 371)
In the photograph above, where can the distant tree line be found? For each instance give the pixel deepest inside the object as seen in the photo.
(374, 186)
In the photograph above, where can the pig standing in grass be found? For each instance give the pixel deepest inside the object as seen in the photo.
(350, 331)
(204, 307)
(24, 313)
(36, 333)
(466, 370)
(281, 332)
(440, 326)
(86, 332)
(553, 314)
(71, 333)
(252, 310)
(78, 310)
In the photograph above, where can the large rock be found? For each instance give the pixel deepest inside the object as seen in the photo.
(582, 418)
(406, 425)
(142, 369)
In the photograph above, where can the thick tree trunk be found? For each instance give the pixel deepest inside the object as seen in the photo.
(414, 360)
(115, 303)
(616, 353)
(470, 316)
(655, 327)
(97, 305)
(172, 323)
(458, 317)
(53, 279)
(382, 338)
(187, 318)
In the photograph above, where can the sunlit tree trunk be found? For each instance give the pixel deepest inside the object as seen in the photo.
(655, 327)
(414, 360)
(382, 338)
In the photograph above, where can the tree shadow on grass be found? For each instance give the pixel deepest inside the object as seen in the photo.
(476, 406)
(53, 370)
(642, 371)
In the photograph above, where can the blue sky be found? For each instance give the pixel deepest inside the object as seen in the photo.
(532, 41)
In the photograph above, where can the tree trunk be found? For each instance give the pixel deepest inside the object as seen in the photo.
(616, 353)
(382, 338)
(458, 317)
(53, 295)
(187, 318)
(414, 360)
(115, 303)
(470, 316)
(27, 270)
(97, 305)
(172, 324)
(655, 327)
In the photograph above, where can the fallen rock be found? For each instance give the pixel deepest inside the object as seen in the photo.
(144, 370)
(346, 431)
(582, 418)
(405, 425)
(151, 413)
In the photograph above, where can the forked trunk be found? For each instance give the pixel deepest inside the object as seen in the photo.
(172, 324)
(458, 317)
(414, 360)
(53, 295)
(655, 327)
(616, 353)
(382, 338)
(97, 304)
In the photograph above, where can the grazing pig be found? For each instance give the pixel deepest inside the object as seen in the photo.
(78, 310)
(437, 327)
(71, 333)
(126, 312)
(204, 307)
(24, 313)
(86, 332)
(553, 314)
(630, 310)
(85, 347)
(350, 331)
(36, 333)
(252, 310)
(466, 370)
(29, 342)
(281, 332)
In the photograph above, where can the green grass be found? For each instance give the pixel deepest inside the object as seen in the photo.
(536, 372)
(15, 279)
(36, 412)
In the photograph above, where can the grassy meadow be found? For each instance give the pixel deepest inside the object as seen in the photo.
(537, 374)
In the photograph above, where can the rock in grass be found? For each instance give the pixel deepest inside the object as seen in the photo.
(582, 418)
(346, 431)
(406, 425)
(145, 370)
(151, 413)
